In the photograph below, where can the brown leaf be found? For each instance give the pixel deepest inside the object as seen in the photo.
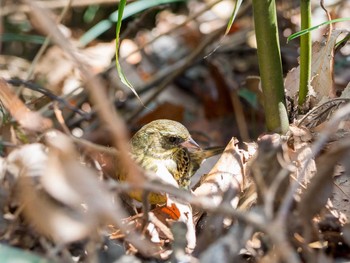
(319, 115)
(165, 110)
(291, 82)
(50, 218)
(227, 173)
(322, 71)
(315, 197)
(322, 66)
(29, 120)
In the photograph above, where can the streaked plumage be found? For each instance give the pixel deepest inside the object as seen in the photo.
(166, 148)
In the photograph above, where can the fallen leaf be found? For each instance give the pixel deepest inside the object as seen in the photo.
(29, 120)
(322, 66)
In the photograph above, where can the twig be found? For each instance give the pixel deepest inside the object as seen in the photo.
(182, 66)
(153, 219)
(189, 19)
(59, 117)
(333, 124)
(269, 198)
(94, 146)
(164, 73)
(46, 43)
(202, 202)
(105, 110)
(47, 93)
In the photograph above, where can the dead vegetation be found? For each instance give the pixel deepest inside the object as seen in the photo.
(67, 119)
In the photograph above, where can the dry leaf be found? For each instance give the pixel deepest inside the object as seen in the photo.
(29, 120)
(291, 82)
(227, 173)
(186, 216)
(322, 71)
(322, 66)
(315, 197)
(319, 115)
(30, 159)
(51, 218)
(82, 186)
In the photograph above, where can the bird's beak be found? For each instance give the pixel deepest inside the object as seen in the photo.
(191, 144)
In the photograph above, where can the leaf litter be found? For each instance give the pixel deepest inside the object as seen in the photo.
(281, 199)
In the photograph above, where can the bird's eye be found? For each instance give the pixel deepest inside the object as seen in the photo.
(174, 140)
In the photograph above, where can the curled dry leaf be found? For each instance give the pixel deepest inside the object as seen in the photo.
(29, 159)
(322, 71)
(68, 181)
(316, 118)
(227, 173)
(29, 120)
(315, 197)
(223, 185)
(323, 64)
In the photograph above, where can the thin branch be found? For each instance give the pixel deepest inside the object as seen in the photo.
(316, 148)
(170, 30)
(47, 42)
(105, 110)
(182, 66)
(47, 93)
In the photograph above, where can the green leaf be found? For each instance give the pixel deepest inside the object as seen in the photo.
(135, 7)
(130, 10)
(139, 6)
(95, 32)
(305, 31)
(90, 13)
(121, 74)
(249, 96)
(230, 22)
(10, 254)
(233, 16)
(10, 37)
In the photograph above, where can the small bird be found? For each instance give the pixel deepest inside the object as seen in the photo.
(165, 148)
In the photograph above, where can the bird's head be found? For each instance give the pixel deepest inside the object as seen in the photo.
(163, 135)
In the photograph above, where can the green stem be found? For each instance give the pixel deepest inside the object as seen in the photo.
(305, 51)
(270, 65)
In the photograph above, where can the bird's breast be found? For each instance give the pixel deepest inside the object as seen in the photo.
(164, 169)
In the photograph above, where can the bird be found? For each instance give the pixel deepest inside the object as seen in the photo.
(165, 148)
